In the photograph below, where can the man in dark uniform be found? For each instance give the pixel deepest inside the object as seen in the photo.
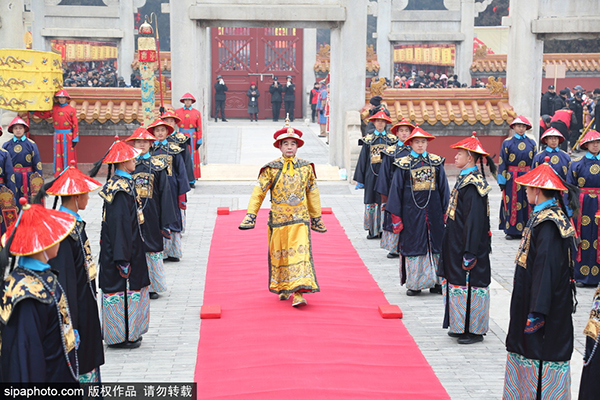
(289, 97)
(220, 96)
(548, 101)
(276, 89)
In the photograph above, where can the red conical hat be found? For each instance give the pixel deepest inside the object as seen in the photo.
(120, 152)
(380, 115)
(171, 114)
(18, 121)
(72, 182)
(471, 144)
(188, 96)
(160, 122)
(521, 120)
(543, 177)
(419, 133)
(37, 229)
(589, 137)
(552, 132)
(62, 93)
(141, 133)
(402, 123)
(287, 132)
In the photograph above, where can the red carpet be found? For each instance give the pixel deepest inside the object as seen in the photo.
(336, 347)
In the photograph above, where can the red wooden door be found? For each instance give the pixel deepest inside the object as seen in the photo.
(244, 55)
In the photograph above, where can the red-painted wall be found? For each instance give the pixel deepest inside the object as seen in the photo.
(89, 150)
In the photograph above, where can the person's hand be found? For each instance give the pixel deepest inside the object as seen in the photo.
(317, 225)
(249, 222)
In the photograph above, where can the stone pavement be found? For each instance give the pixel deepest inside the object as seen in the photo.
(168, 352)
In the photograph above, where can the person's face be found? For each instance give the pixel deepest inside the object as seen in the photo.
(187, 103)
(170, 121)
(421, 73)
(52, 251)
(520, 128)
(403, 132)
(594, 147)
(82, 200)
(18, 130)
(317, 86)
(128, 166)
(61, 100)
(289, 80)
(552, 141)
(161, 132)
(419, 145)
(552, 90)
(462, 158)
(532, 194)
(436, 76)
(379, 125)
(143, 145)
(288, 147)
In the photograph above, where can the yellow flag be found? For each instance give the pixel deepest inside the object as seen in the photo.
(29, 79)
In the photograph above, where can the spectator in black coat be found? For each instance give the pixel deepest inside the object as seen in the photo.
(276, 89)
(220, 96)
(289, 97)
(548, 101)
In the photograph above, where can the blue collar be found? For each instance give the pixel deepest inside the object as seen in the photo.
(521, 137)
(591, 156)
(164, 142)
(144, 156)
(22, 139)
(545, 204)
(377, 133)
(32, 263)
(73, 213)
(122, 173)
(185, 108)
(552, 150)
(415, 155)
(63, 105)
(468, 170)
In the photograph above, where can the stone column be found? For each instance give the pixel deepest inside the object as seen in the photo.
(308, 71)
(127, 42)
(189, 73)
(464, 50)
(347, 78)
(384, 47)
(11, 37)
(524, 62)
(38, 9)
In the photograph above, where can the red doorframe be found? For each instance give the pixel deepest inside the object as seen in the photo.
(244, 55)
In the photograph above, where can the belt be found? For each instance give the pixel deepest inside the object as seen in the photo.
(588, 191)
(63, 130)
(513, 204)
(24, 171)
(187, 130)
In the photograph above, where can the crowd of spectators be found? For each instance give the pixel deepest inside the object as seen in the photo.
(431, 80)
(81, 75)
(582, 102)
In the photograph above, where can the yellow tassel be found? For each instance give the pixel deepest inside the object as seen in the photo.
(288, 166)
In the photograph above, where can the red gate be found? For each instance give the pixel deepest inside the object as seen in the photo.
(244, 55)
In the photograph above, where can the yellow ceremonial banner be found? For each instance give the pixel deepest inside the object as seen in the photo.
(29, 79)
(447, 56)
(426, 55)
(418, 55)
(436, 57)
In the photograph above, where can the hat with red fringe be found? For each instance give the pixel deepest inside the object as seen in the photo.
(160, 122)
(521, 120)
(62, 93)
(419, 133)
(552, 132)
(471, 144)
(141, 133)
(120, 152)
(171, 114)
(380, 115)
(37, 228)
(187, 96)
(72, 182)
(402, 123)
(287, 132)
(589, 137)
(17, 121)
(543, 177)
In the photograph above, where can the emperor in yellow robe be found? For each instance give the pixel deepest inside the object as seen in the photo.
(295, 209)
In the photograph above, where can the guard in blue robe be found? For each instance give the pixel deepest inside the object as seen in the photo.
(516, 156)
(367, 171)
(559, 160)
(8, 201)
(27, 166)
